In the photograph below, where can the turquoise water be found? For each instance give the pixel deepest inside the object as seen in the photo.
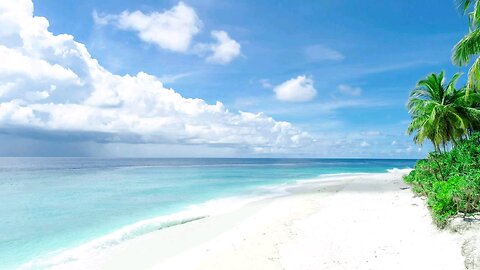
(50, 205)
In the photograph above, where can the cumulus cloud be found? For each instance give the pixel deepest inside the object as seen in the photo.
(15, 63)
(172, 29)
(319, 53)
(55, 87)
(299, 89)
(223, 51)
(349, 90)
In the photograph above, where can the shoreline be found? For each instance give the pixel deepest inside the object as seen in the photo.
(193, 212)
(353, 222)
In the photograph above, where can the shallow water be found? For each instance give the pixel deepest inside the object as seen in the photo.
(52, 209)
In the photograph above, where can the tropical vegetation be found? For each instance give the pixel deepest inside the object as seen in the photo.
(442, 113)
(469, 45)
(449, 117)
(450, 181)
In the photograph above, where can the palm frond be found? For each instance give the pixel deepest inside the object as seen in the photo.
(467, 47)
(451, 85)
(463, 5)
(475, 15)
(438, 110)
(474, 76)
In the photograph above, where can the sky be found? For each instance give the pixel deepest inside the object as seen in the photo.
(218, 78)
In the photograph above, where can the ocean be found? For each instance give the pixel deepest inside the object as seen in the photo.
(55, 210)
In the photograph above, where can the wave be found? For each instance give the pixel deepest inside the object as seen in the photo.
(347, 176)
(400, 171)
(62, 259)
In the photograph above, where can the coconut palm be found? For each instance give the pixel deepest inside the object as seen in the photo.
(472, 105)
(469, 45)
(440, 112)
(470, 5)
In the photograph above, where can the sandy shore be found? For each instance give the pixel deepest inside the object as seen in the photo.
(367, 221)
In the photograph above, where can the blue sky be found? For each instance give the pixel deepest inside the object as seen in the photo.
(339, 72)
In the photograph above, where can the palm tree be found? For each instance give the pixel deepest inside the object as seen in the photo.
(440, 112)
(472, 105)
(465, 5)
(469, 45)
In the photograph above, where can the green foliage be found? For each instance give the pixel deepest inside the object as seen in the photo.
(450, 117)
(450, 181)
(469, 46)
(440, 112)
(442, 199)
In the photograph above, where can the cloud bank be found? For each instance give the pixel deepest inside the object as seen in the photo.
(51, 85)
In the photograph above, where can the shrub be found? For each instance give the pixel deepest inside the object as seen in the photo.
(450, 181)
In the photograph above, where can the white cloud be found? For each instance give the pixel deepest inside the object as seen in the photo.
(102, 19)
(408, 149)
(14, 63)
(319, 53)
(223, 51)
(172, 29)
(371, 133)
(299, 89)
(56, 87)
(364, 144)
(265, 83)
(349, 90)
(171, 78)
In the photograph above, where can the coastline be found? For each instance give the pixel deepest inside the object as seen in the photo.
(364, 221)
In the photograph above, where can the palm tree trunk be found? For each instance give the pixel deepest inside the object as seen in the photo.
(437, 148)
(454, 141)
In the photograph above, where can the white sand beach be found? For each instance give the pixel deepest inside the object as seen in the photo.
(370, 221)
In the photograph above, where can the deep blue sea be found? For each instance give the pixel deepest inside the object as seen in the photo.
(50, 206)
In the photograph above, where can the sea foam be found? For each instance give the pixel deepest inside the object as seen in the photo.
(65, 259)
(73, 258)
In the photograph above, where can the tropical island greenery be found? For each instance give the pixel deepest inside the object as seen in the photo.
(449, 118)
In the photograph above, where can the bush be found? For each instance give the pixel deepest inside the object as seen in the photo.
(442, 200)
(450, 181)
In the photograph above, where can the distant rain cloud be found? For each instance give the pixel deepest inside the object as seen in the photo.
(51, 84)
